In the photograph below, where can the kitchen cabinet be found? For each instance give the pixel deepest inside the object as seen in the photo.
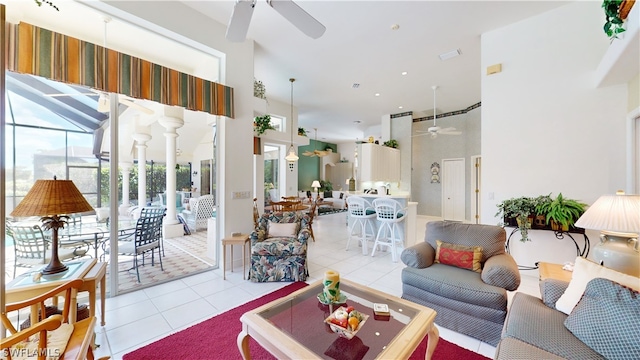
(379, 163)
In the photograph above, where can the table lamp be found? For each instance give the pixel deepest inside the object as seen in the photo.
(315, 185)
(49, 199)
(618, 219)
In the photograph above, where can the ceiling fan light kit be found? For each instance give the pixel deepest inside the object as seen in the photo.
(243, 11)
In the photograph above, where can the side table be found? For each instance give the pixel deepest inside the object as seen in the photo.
(553, 271)
(241, 239)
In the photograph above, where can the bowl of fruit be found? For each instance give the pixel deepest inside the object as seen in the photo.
(346, 321)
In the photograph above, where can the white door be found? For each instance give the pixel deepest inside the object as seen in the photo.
(453, 198)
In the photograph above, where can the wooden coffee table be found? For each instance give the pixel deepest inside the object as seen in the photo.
(293, 327)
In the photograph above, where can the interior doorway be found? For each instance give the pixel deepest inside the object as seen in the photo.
(453, 189)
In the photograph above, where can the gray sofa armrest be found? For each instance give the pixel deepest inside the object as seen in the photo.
(501, 271)
(418, 256)
(551, 290)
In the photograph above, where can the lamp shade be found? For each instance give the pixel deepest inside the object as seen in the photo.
(315, 184)
(52, 197)
(618, 213)
(291, 157)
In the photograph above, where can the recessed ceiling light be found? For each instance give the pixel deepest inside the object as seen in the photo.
(399, 107)
(450, 54)
(377, 94)
(404, 73)
(395, 27)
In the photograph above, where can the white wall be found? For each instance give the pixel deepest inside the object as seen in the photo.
(236, 135)
(545, 128)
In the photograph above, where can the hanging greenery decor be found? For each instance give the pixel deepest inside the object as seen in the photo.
(615, 13)
(262, 124)
(258, 89)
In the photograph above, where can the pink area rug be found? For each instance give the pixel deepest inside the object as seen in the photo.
(215, 338)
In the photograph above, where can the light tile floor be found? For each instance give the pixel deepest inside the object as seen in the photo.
(141, 317)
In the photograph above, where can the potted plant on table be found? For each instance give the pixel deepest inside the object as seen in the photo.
(302, 131)
(562, 213)
(521, 209)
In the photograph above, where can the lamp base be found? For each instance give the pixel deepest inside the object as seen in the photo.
(54, 268)
(618, 252)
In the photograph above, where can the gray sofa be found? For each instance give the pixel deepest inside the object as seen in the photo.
(535, 330)
(469, 302)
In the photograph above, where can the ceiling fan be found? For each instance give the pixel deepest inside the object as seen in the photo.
(436, 130)
(314, 153)
(103, 101)
(243, 9)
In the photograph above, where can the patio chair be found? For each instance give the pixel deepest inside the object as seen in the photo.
(32, 249)
(202, 209)
(72, 341)
(145, 238)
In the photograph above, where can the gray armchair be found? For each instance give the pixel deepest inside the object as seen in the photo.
(469, 302)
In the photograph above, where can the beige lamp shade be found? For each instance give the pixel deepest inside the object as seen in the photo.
(52, 197)
(617, 213)
(315, 184)
(618, 219)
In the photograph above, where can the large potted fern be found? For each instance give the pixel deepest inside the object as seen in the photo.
(561, 213)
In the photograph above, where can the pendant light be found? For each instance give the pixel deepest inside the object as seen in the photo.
(291, 157)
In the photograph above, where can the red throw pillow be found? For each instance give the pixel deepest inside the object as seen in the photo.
(465, 257)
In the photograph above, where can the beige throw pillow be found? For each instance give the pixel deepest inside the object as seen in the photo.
(282, 230)
(585, 271)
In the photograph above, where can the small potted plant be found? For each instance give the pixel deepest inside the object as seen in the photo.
(562, 213)
(262, 124)
(540, 218)
(302, 131)
(391, 143)
(521, 209)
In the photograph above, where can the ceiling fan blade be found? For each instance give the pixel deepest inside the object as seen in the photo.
(298, 17)
(240, 19)
(130, 103)
(450, 132)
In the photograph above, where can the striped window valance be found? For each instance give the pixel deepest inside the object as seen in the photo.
(37, 51)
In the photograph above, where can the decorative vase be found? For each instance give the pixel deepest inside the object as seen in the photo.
(618, 251)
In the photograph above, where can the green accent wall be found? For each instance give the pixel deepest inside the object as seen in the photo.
(309, 167)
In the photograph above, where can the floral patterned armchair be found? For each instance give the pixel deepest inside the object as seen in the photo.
(279, 250)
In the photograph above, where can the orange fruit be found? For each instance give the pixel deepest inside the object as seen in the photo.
(354, 322)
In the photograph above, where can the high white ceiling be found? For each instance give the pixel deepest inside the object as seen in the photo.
(359, 46)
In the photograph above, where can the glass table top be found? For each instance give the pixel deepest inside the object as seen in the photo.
(302, 318)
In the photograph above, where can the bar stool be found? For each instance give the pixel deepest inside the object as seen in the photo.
(362, 213)
(390, 214)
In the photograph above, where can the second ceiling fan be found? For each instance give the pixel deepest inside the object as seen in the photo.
(436, 130)
(314, 153)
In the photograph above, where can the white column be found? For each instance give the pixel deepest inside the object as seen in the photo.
(141, 144)
(126, 168)
(171, 124)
